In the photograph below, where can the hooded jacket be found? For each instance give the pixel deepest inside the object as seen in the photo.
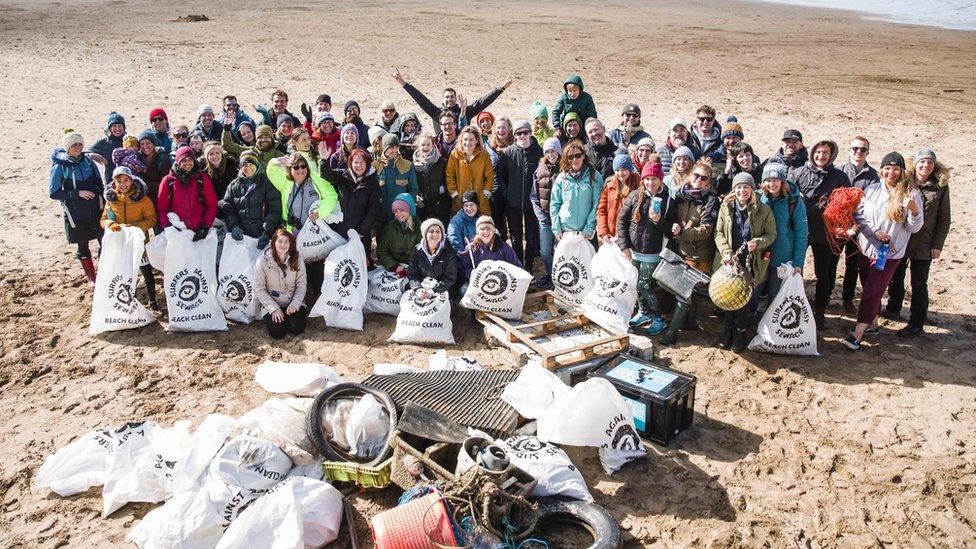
(396, 243)
(611, 198)
(697, 213)
(132, 208)
(796, 161)
(816, 184)
(623, 140)
(710, 145)
(516, 170)
(108, 143)
(666, 152)
(252, 204)
(645, 236)
(860, 178)
(462, 230)
(395, 177)
(565, 138)
(938, 218)
(475, 175)
(289, 286)
(583, 104)
(545, 177)
(499, 250)
(760, 219)
(181, 194)
(359, 200)
(69, 176)
(442, 266)
(574, 200)
(791, 233)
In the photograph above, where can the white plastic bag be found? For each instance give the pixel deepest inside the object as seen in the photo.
(590, 414)
(114, 305)
(304, 379)
(156, 251)
(315, 240)
(571, 274)
(497, 287)
(425, 317)
(189, 280)
(385, 291)
(281, 422)
(141, 468)
(611, 301)
(368, 427)
(555, 474)
(787, 327)
(297, 513)
(235, 287)
(207, 440)
(440, 361)
(343, 286)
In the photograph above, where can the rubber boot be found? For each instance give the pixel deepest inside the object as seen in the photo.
(820, 318)
(739, 340)
(670, 337)
(147, 276)
(89, 266)
(725, 341)
(691, 321)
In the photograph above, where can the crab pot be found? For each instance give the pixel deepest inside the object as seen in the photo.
(663, 400)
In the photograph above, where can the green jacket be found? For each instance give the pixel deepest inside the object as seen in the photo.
(583, 104)
(763, 229)
(328, 198)
(396, 244)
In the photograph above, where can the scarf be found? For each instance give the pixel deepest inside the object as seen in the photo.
(422, 164)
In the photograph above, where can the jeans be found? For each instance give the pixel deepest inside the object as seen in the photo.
(825, 269)
(920, 290)
(740, 318)
(873, 286)
(547, 242)
(294, 323)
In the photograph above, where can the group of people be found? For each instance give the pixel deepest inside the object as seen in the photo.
(435, 202)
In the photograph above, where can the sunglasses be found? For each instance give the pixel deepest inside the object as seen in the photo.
(303, 168)
(706, 118)
(700, 177)
(180, 135)
(232, 106)
(157, 119)
(576, 156)
(522, 133)
(389, 110)
(859, 149)
(632, 115)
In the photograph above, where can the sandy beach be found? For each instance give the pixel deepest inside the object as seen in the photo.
(869, 449)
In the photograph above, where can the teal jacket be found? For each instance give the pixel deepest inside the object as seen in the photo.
(791, 234)
(394, 178)
(572, 205)
(583, 105)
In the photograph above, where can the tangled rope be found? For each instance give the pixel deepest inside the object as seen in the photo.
(476, 493)
(838, 217)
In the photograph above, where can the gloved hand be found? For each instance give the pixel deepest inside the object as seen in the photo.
(200, 234)
(294, 221)
(307, 113)
(110, 215)
(400, 271)
(263, 242)
(115, 227)
(175, 221)
(236, 233)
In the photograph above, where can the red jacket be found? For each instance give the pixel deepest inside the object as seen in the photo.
(186, 200)
(332, 139)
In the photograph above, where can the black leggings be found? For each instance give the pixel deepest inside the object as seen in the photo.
(523, 224)
(920, 290)
(147, 276)
(294, 323)
(825, 269)
(84, 252)
(315, 272)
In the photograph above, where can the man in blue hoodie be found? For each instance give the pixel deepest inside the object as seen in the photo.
(462, 228)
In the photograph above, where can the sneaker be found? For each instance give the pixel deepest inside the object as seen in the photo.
(869, 331)
(909, 332)
(852, 343)
(657, 326)
(639, 319)
(890, 315)
(545, 283)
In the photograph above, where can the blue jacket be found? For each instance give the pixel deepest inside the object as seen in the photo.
(462, 227)
(70, 176)
(394, 178)
(572, 206)
(165, 141)
(791, 237)
(241, 118)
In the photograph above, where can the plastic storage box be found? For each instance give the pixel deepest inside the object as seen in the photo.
(663, 399)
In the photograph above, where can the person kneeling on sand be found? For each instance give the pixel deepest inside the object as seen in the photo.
(127, 203)
(487, 245)
(433, 258)
(279, 284)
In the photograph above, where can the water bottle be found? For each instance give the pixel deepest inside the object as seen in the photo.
(656, 204)
(882, 257)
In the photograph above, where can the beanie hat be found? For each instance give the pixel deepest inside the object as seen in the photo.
(469, 196)
(70, 138)
(623, 162)
(677, 121)
(264, 130)
(114, 118)
(204, 108)
(184, 152)
(646, 142)
(250, 157)
(631, 108)
(282, 118)
(390, 140)
(893, 159)
(322, 117)
(349, 104)
(158, 112)
(925, 153)
(743, 178)
(553, 144)
(732, 128)
(374, 133)
(149, 135)
(130, 140)
(652, 169)
(683, 151)
(521, 125)
(539, 110)
(774, 170)
(484, 219)
(324, 98)
(428, 223)
(347, 128)
(122, 170)
(482, 116)
(387, 105)
(404, 200)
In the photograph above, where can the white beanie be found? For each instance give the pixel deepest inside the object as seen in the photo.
(204, 108)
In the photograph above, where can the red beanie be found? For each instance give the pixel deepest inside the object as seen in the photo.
(652, 169)
(184, 152)
(158, 111)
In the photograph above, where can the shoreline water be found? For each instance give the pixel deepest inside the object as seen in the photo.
(950, 14)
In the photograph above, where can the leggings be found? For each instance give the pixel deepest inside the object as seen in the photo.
(825, 269)
(873, 286)
(147, 276)
(314, 271)
(920, 290)
(523, 224)
(84, 252)
(647, 300)
(293, 323)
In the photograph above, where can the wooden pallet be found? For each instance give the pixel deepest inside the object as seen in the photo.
(565, 317)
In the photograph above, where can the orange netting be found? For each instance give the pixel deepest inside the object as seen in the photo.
(838, 217)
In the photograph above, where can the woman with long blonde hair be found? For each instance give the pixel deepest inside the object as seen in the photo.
(469, 169)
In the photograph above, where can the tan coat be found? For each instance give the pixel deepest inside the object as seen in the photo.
(476, 175)
(269, 279)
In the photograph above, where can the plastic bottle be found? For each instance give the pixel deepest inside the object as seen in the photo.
(882, 257)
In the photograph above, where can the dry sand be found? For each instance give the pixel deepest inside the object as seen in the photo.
(867, 449)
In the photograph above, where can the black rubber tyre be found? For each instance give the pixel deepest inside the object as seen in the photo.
(313, 423)
(589, 516)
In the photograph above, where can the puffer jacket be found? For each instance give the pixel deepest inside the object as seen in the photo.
(763, 230)
(278, 289)
(574, 201)
(475, 175)
(441, 266)
(583, 104)
(252, 204)
(697, 213)
(396, 244)
(938, 218)
(394, 177)
(516, 169)
(461, 230)
(471, 257)
(541, 195)
(795, 162)
(816, 184)
(645, 236)
(132, 208)
(608, 208)
(181, 194)
(69, 176)
(791, 228)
